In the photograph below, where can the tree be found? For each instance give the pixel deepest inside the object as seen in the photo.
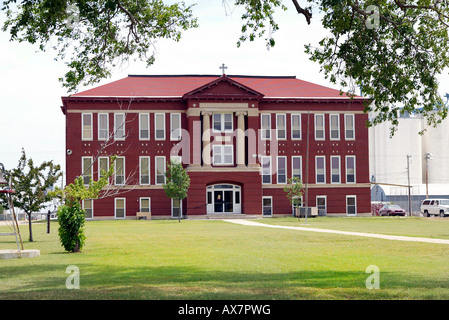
(393, 50)
(177, 182)
(294, 190)
(31, 185)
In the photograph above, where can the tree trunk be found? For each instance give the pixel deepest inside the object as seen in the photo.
(29, 227)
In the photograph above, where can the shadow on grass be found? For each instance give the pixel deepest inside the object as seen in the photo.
(168, 283)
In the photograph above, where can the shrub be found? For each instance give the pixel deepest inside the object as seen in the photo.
(71, 220)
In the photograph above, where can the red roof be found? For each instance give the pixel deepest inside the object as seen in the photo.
(177, 86)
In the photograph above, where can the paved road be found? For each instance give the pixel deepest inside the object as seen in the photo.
(350, 233)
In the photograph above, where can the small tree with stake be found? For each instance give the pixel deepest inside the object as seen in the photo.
(294, 190)
(177, 182)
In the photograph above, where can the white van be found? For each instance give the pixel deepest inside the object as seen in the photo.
(437, 207)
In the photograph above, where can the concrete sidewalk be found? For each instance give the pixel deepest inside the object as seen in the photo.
(349, 233)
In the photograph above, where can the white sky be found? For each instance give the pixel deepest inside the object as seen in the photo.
(30, 93)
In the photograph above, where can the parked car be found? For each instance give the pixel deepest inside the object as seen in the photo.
(437, 207)
(391, 210)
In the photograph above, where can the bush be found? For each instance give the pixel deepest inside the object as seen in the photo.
(71, 220)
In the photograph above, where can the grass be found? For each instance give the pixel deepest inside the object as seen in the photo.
(201, 259)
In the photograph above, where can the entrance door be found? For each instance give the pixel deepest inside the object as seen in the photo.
(223, 198)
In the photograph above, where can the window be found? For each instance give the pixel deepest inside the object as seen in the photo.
(176, 208)
(103, 167)
(296, 167)
(334, 120)
(88, 206)
(86, 126)
(145, 205)
(144, 126)
(351, 205)
(120, 208)
(297, 203)
(349, 127)
(296, 126)
(223, 154)
(282, 169)
(87, 169)
(350, 169)
(265, 126)
(222, 122)
(281, 131)
(160, 170)
(103, 126)
(335, 169)
(267, 206)
(119, 171)
(266, 169)
(144, 171)
(321, 205)
(119, 126)
(320, 169)
(175, 126)
(159, 126)
(319, 127)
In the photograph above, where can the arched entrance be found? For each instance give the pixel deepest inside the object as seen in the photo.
(224, 199)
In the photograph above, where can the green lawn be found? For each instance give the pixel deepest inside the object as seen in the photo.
(201, 259)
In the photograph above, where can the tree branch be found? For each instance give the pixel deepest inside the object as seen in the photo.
(305, 12)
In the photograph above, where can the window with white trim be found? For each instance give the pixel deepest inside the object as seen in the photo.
(222, 122)
(350, 169)
(145, 205)
(119, 171)
(267, 206)
(321, 204)
(144, 171)
(144, 126)
(175, 126)
(266, 169)
(119, 126)
(297, 167)
(160, 170)
(282, 170)
(265, 126)
(103, 126)
(319, 127)
(334, 123)
(351, 205)
(103, 167)
(120, 208)
(86, 126)
(281, 128)
(223, 154)
(335, 169)
(159, 126)
(349, 127)
(320, 169)
(88, 207)
(87, 169)
(296, 126)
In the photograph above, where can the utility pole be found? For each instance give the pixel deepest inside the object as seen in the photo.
(408, 175)
(428, 157)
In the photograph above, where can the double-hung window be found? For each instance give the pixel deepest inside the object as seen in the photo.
(281, 128)
(145, 205)
(223, 154)
(88, 206)
(119, 171)
(282, 170)
(349, 127)
(87, 169)
(120, 208)
(103, 166)
(350, 169)
(144, 171)
(351, 205)
(119, 126)
(175, 126)
(159, 126)
(296, 126)
(103, 126)
(160, 170)
(144, 126)
(334, 122)
(320, 169)
(296, 167)
(265, 125)
(222, 122)
(86, 126)
(319, 127)
(267, 206)
(335, 169)
(266, 169)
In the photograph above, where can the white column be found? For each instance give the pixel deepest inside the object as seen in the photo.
(241, 138)
(206, 139)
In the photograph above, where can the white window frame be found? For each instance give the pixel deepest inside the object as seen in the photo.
(149, 204)
(180, 208)
(269, 168)
(155, 170)
(333, 129)
(271, 206)
(222, 122)
(147, 122)
(325, 202)
(339, 169)
(175, 134)
(324, 126)
(353, 126)
(83, 169)
(316, 169)
(116, 171)
(156, 116)
(102, 130)
(300, 166)
(124, 208)
(91, 130)
(92, 208)
(140, 170)
(278, 169)
(278, 129)
(355, 205)
(293, 206)
(119, 127)
(99, 166)
(292, 128)
(221, 150)
(265, 132)
(346, 169)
